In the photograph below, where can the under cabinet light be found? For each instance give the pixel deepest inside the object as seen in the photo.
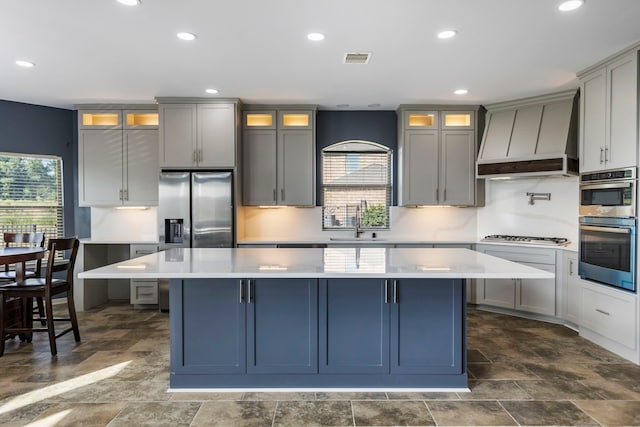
(132, 267)
(570, 5)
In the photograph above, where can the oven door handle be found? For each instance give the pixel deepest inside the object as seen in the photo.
(605, 186)
(606, 229)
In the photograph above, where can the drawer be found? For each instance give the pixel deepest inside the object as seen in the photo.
(137, 250)
(530, 256)
(610, 313)
(144, 291)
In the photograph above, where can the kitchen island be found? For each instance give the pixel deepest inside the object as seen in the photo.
(333, 318)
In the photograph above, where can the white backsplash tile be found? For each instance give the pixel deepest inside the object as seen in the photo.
(507, 209)
(110, 224)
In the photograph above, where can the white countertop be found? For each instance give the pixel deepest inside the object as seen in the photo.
(246, 263)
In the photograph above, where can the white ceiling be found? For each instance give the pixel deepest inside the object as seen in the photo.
(89, 51)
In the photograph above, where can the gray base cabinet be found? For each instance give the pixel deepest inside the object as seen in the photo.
(317, 333)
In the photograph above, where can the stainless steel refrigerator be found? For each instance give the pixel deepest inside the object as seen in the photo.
(195, 210)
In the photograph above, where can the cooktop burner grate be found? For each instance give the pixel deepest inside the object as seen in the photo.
(533, 240)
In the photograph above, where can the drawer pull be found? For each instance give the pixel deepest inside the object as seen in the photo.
(603, 312)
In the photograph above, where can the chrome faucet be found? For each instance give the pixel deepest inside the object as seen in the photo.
(356, 228)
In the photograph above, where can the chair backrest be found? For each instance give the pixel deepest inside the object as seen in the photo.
(56, 246)
(24, 239)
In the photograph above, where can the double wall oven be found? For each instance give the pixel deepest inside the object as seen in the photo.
(608, 224)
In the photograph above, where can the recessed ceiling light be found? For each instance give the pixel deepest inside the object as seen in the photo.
(129, 2)
(186, 36)
(26, 64)
(316, 37)
(461, 91)
(570, 5)
(447, 34)
(212, 91)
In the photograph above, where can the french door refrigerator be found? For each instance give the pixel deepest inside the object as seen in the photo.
(195, 210)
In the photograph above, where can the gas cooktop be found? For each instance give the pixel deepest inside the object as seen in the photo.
(529, 240)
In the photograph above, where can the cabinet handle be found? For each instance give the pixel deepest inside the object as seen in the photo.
(200, 155)
(601, 152)
(570, 267)
(126, 194)
(194, 157)
(444, 195)
(606, 154)
(274, 194)
(121, 194)
(395, 291)
(250, 286)
(282, 193)
(386, 291)
(436, 194)
(241, 282)
(603, 312)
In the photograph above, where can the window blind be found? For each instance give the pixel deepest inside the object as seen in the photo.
(356, 184)
(31, 194)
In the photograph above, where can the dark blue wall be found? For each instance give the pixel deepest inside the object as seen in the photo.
(34, 129)
(375, 126)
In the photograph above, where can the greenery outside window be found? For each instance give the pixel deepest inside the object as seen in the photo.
(31, 194)
(356, 185)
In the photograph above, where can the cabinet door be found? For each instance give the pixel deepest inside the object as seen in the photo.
(210, 336)
(259, 168)
(353, 327)
(622, 77)
(99, 119)
(572, 290)
(496, 292)
(537, 295)
(592, 121)
(100, 173)
(282, 326)
(296, 168)
(177, 135)
(216, 135)
(457, 175)
(426, 326)
(141, 173)
(420, 168)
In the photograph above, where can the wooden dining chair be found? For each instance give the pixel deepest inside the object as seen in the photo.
(45, 288)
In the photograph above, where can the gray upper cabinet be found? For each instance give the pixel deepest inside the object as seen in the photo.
(437, 156)
(609, 114)
(198, 134)
(278, 156)
(117, 162)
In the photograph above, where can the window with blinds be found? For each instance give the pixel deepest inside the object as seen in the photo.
(356, 185)
(31, 194)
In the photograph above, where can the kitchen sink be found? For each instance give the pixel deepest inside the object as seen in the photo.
(356, 239)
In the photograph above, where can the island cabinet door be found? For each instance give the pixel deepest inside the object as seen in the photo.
(426, 326)
(354, 326)
(207, 327)
(282, 326)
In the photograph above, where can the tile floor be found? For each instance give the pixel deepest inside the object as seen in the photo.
(522, 372)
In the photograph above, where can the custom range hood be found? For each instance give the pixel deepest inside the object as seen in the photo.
(530, 137)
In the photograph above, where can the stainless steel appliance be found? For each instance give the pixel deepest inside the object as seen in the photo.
(529, 240)
(609, 193)
(608, 251)
(195, 210)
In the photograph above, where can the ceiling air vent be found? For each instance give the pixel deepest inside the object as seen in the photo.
(357, 58)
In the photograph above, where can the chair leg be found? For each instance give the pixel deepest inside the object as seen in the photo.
(72, 315)
(48, 308)
(41, 310)
(2, 337)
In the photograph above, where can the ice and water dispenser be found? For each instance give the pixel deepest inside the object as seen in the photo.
(173, 230)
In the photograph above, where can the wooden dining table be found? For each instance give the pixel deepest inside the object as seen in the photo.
(20, 256)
